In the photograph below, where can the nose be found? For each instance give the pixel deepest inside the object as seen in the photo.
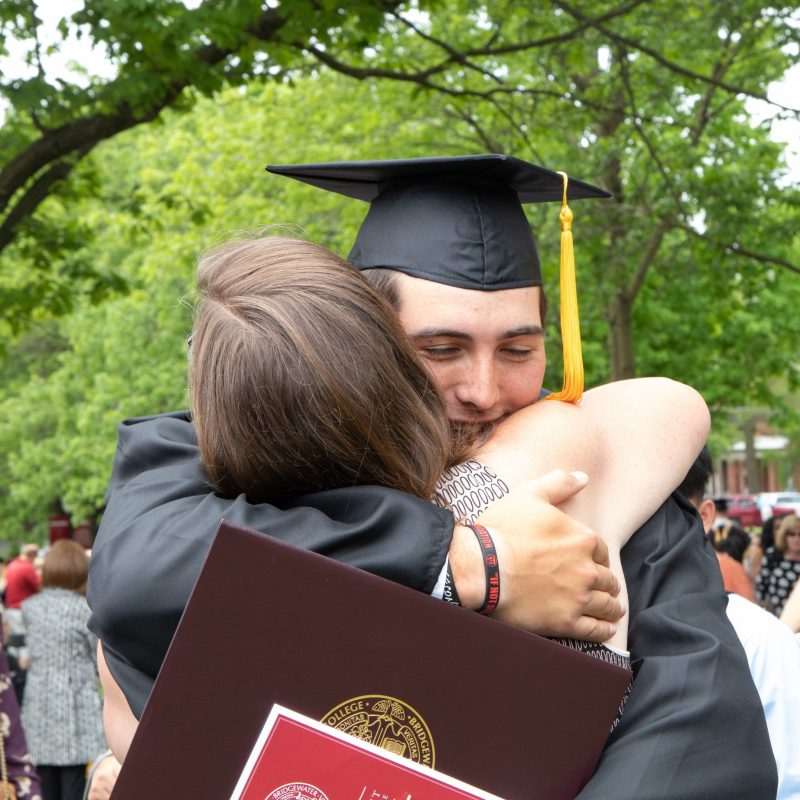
(479, 390)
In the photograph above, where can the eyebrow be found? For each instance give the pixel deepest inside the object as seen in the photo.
(449, 333)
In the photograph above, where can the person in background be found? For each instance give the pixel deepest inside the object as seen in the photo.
(62, 709)
(780, 567)
(791, 610)
(730, 543)
(22, 581)
(751, 560)
(18, 765)
(773, 653)
(102, 777)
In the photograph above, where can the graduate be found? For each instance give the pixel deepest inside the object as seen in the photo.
(466, 285)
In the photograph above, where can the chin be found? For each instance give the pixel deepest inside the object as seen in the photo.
(466, 436)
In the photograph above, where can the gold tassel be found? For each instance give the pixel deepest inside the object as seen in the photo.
(572, 389)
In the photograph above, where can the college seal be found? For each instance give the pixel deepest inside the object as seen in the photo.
(386, 722)
(296, 791)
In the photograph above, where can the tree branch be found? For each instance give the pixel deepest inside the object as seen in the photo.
(650, 147)
(556, 38)
(665, 62)
(71, 138)
(490, 144)
(455, 56)
(362, 73)
(735, 248)
(640, 273)
(29, 202)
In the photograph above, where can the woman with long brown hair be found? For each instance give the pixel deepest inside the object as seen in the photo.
(302, 379)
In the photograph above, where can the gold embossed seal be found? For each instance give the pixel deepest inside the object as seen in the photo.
(385, 722)
(296, 791)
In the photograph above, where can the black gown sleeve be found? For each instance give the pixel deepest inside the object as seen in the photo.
(160, 520)
(693, 727)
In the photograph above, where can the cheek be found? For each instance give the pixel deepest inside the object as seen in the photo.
(442, 374)
(522, 384)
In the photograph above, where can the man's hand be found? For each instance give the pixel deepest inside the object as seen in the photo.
(554, 571)
(103, 778)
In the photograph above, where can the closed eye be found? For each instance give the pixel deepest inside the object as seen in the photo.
(518, 353)
(440, 352)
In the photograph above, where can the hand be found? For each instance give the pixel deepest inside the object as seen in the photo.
(554, 571)
(103, 778)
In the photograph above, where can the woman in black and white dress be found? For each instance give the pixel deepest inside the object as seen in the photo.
(780, 567)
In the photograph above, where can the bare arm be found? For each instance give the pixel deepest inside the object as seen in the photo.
(119, 722)
(634, 439)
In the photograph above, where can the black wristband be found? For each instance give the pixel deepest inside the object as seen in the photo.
(450, 593)
(492, 568)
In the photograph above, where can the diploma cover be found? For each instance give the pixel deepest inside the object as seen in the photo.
(292, 745)
(268, 623)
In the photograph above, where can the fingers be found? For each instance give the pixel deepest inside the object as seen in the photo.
(605, 581)
(603, 607)
(557, 486)
(593, 630)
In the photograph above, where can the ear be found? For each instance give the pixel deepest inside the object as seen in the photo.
(708, 513)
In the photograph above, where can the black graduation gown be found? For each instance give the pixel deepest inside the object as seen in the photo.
(161, 517)
(693, 727)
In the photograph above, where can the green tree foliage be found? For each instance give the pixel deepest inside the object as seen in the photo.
(164, 55)
(649, 100)
(166, 194)
(691, 271)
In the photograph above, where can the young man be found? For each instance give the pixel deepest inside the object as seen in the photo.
(468, 292)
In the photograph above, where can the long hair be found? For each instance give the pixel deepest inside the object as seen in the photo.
(301, 378)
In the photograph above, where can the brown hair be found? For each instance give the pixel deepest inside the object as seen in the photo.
(66, 566)
(301, 378)
(787, 523)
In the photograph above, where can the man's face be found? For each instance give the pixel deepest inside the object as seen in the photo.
(485, 350)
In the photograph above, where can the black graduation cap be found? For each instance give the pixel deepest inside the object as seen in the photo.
(454, 220)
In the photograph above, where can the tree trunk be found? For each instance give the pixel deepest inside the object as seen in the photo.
(620, 324)
(751, 457)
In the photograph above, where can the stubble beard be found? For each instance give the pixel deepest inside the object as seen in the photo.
(466, 437)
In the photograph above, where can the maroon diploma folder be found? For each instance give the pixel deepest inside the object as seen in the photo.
(506, 711)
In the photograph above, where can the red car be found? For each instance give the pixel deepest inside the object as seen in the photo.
(741, 509)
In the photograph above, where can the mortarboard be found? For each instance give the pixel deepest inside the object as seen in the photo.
(454, 220)
(458, 221)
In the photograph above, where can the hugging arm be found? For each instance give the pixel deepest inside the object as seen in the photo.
(634, 439)
(162, 515)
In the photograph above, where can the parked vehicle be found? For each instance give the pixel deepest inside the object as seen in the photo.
(778, 503)
(740, 509)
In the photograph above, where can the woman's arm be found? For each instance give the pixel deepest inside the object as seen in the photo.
(634, 439)
(119, 722)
